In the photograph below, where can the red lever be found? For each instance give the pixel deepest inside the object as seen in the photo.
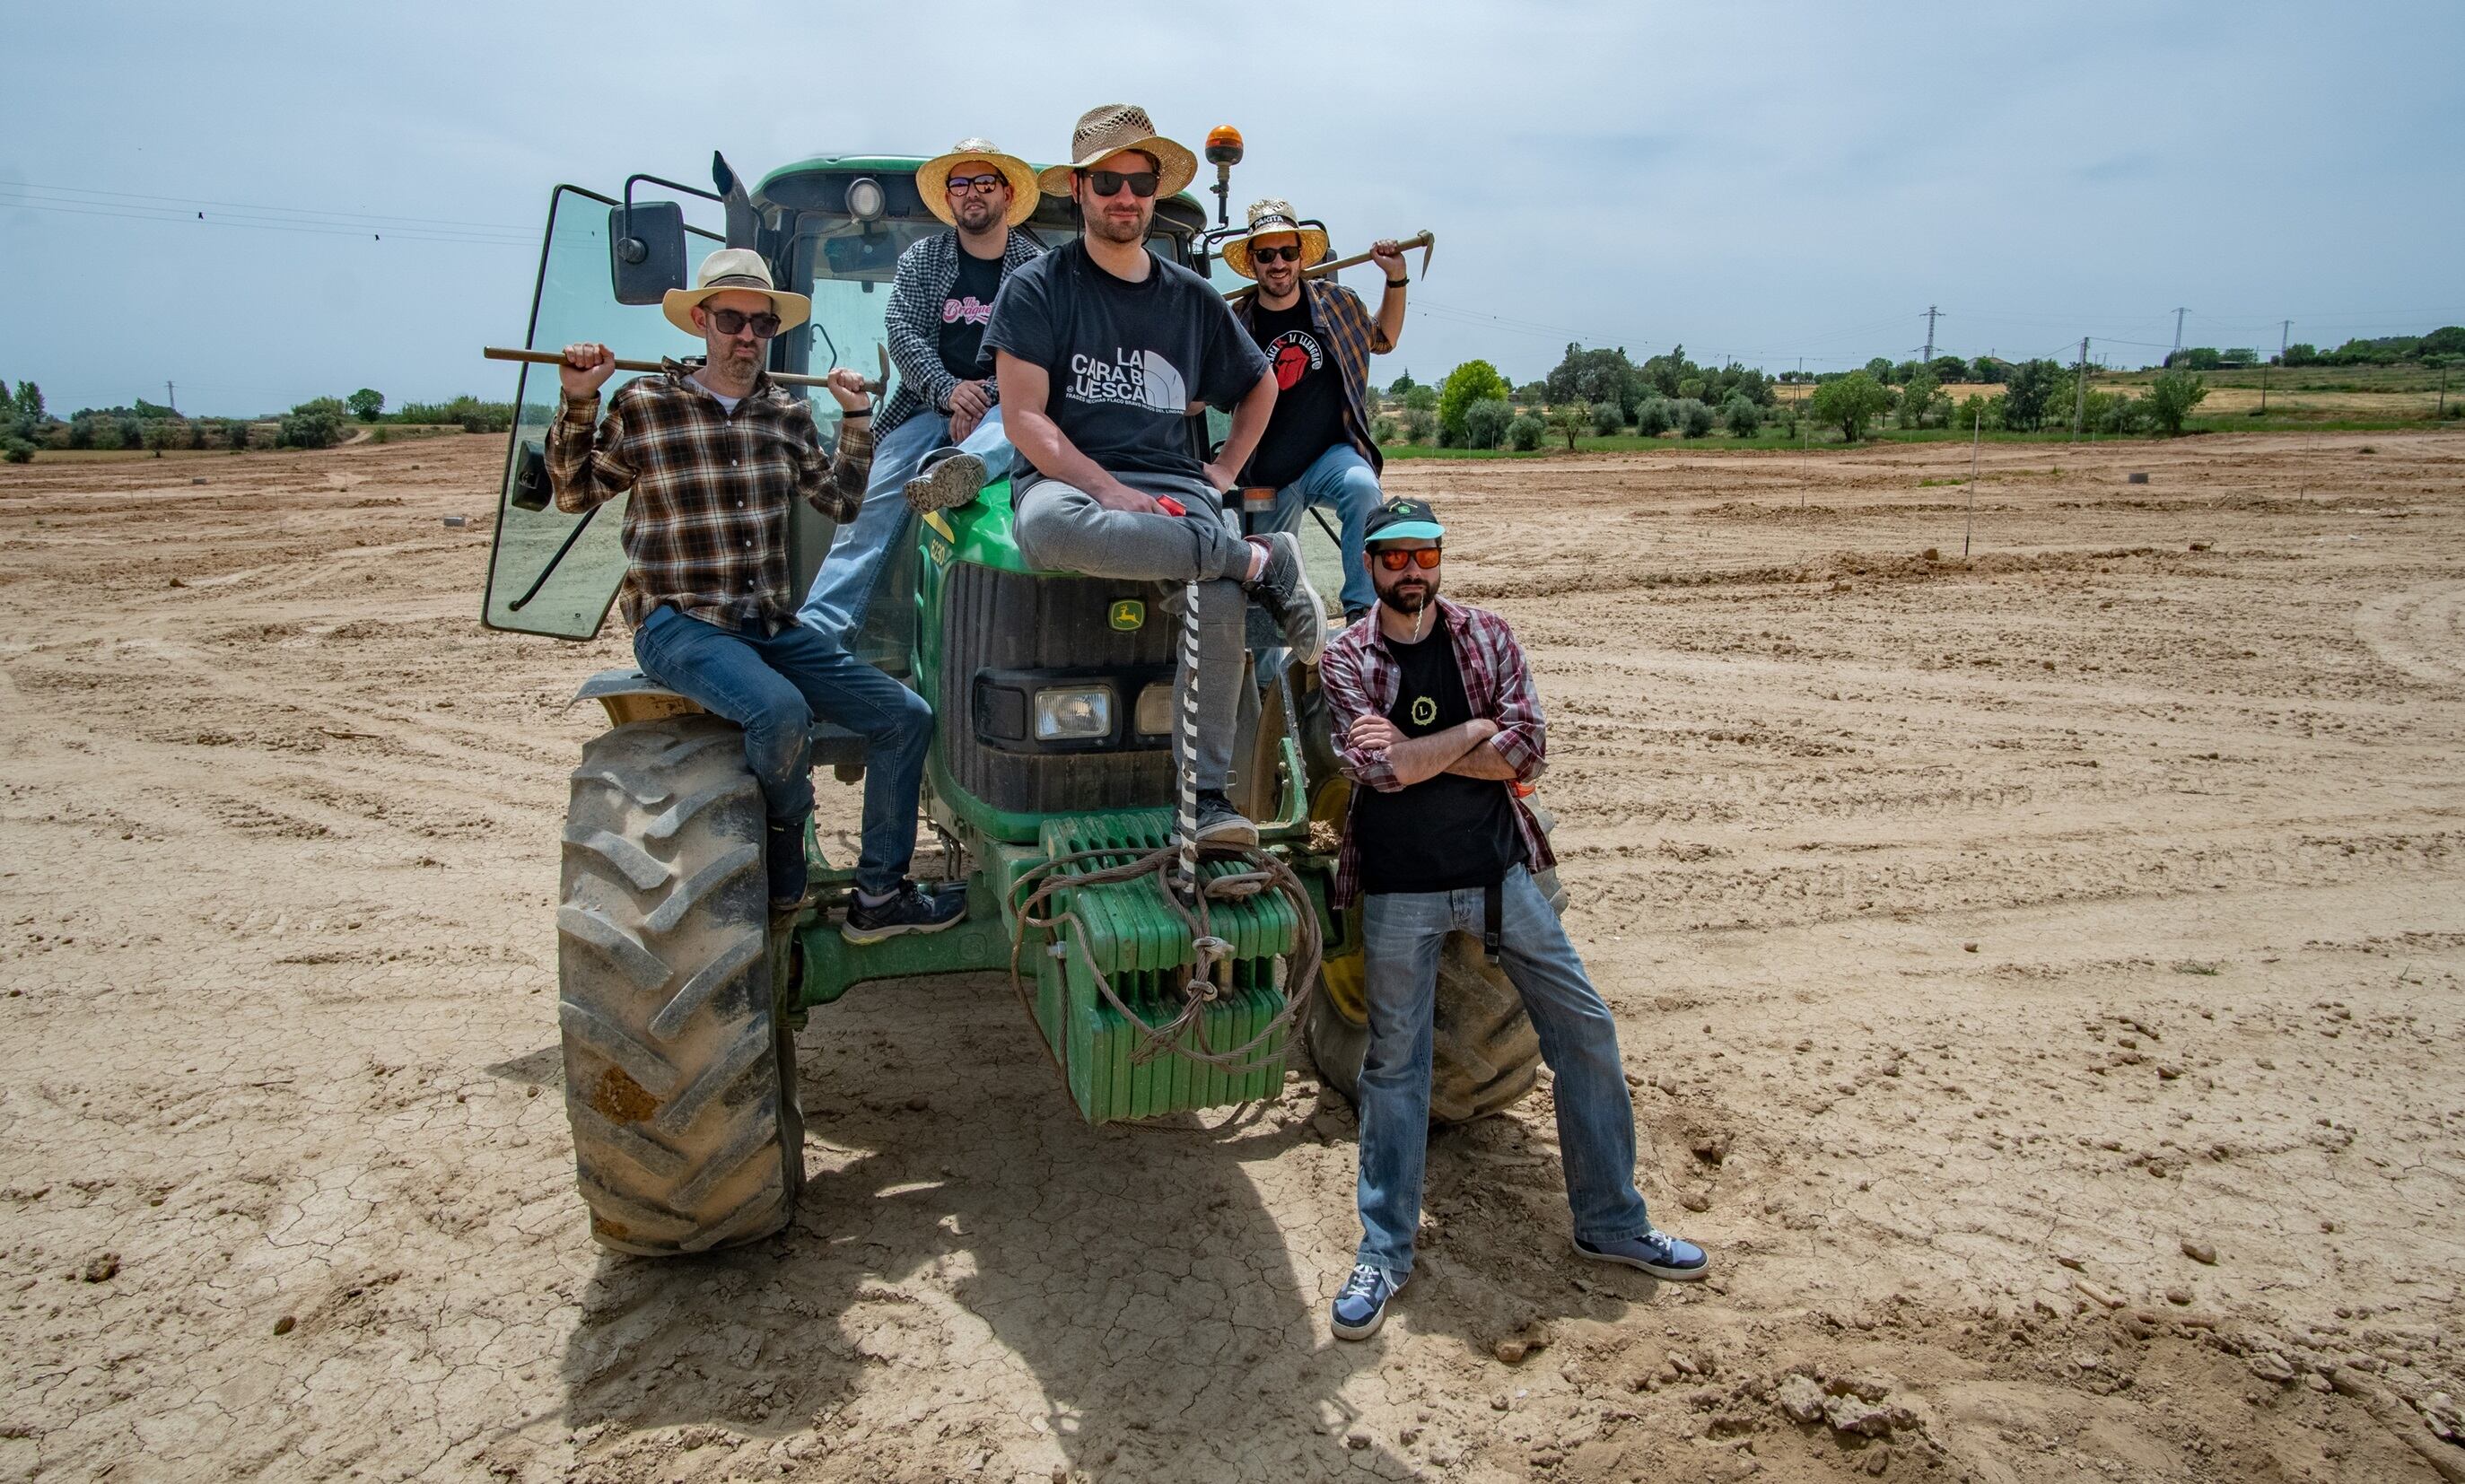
(1171, 506)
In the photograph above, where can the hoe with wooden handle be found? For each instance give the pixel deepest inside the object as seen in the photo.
(783, 378)
(1426, 240)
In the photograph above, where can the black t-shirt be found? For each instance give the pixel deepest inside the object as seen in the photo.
(1126, 359)
(1309, 396)
(965, 309)
(1443, 833)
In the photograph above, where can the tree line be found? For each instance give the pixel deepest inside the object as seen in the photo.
(28, 427)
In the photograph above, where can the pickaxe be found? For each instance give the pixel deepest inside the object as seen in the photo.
(1424, 239)
(783, 378)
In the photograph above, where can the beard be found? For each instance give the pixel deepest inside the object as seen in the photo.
(1409, 596)
(1113, 228)
(977, 212)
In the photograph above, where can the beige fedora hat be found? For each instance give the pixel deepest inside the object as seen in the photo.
(1270, 217)
(1111, 128)
(733, 268)
(933, 179)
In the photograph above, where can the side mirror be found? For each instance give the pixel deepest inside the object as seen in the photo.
(531, 490)
(646, 256)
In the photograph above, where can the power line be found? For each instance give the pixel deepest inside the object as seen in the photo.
(298, 227)
(86, 195)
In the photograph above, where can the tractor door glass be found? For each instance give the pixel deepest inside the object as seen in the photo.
(542, 577)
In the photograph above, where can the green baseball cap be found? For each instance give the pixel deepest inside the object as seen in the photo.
(1402, 520)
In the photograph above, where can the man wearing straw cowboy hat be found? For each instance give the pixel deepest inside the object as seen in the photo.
(1319, 336)
(1103, 351)
(714, 454)
(938, 440)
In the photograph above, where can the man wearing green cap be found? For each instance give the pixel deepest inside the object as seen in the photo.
(1436, 721)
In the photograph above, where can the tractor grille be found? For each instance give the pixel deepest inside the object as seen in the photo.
(997, 621)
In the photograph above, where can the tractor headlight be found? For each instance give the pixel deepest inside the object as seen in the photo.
(1153, 717)
(1074, 715)
(865, 199)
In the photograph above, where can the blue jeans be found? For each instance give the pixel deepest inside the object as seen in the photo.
(1342, 479)
(843, 589)
(775, 687)
(1401, 935)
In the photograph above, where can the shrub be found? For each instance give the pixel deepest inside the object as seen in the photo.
(161, 433)
(316, 424)
(1474, 381)
(1848, 403)
(1742, 416)
(1418, 398)
(1651, 416)
(235, 434)
(2171, 397)
(1693, 419)
(16, 450)
(1484, 422)
(1524, 433)
(1420, 422)
(1608, 419)
(378, 434)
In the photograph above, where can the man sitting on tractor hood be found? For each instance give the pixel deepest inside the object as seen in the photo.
(714, 454)
(1435, 721)
(1104, 352)
(939, 438)
(1319, 336)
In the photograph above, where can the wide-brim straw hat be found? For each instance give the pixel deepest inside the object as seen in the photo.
(1110, 129)
(933, 179)
(733, 268)
(1273, 218)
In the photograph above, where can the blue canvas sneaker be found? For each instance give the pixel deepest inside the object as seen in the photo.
(1655, 1251)
(1361, 1307)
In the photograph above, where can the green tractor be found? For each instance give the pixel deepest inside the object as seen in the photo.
(680, 992)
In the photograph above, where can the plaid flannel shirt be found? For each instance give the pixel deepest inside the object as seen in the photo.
(1352, 335)
(1361, 677)
(913, 322)
(707, 530)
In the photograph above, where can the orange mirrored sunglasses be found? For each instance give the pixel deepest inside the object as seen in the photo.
(1424, 557)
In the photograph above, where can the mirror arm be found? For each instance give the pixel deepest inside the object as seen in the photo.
(632, 249)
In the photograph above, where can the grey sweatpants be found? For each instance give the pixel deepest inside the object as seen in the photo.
(1062, 528)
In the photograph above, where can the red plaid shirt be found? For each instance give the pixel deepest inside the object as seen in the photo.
(1360, 679)
(707, 530)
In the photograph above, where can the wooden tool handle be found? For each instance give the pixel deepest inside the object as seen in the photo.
(1419, 239)
(557, 358)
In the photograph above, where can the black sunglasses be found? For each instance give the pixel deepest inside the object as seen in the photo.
(981, 184)
(1281, 255)
(727, 322)
(1424, 557)
(1104, 183)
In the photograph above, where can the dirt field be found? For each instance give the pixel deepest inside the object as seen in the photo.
(2036, 972)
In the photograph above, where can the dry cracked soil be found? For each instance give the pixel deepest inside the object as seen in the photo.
(2039, 973)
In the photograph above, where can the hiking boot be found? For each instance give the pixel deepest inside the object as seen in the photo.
(1283, 589)
(1221, 825)
(784, 858)
(1362, 1306)
(1655, 1251)
(911, 909)
(948, 484)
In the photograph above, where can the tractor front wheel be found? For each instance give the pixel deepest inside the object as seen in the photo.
(1484, 1056)
(679, 1073)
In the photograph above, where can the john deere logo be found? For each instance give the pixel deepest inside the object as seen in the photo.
(1127, 614)
(1425, 710)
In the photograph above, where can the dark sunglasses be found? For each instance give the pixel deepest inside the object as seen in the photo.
(981, 184)
(1281, 255)
(1424, 557)
(727, 322)
(1104, 183)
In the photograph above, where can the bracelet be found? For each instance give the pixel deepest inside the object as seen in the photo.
(847, 416)
(1397, 284)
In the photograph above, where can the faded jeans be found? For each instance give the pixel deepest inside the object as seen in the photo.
(775, 687)
(1062, 528)
(1342, 479)
(1401, 935)
(861, 548)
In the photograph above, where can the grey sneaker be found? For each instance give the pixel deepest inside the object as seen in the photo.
(1283, 588)
(1221, 825)
(949, 483)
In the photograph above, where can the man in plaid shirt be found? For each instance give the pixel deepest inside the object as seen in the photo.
(1436, 722)
(714, 454)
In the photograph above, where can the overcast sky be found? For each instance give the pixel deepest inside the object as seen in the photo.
(1767, 182)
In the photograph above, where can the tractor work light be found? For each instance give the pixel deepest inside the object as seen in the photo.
(1153, 717)
(1074, 715)
(865, 201)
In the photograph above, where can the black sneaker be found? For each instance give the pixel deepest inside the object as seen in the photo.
(910, 910)
(1354, 616)
(948, 484)
(784, 858)
(1285, 589)
(1220, 824)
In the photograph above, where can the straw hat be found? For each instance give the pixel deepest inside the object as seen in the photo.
(933, 179)
(733, 268)
(1110, 129)
(1273, 218)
